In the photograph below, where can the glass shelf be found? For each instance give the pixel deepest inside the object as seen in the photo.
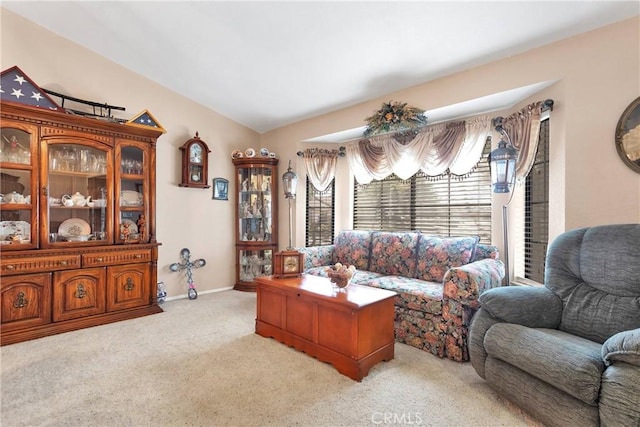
(255, 264)
(17, 187)
(255, 205)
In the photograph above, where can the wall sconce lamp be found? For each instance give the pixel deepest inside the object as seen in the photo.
(502, 161)
(290, 183)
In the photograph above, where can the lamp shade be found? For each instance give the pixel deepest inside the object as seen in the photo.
(290, 182)
(503, 167)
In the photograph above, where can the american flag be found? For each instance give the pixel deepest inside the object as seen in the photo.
(145, 119)
(16, 86)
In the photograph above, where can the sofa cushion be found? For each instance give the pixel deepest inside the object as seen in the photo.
(317, 256)
(485, 251)
(413, 294)
(363, 277)
(394, 253)
(353, 247)
(436, 255)
(317, 271)
(567, 362)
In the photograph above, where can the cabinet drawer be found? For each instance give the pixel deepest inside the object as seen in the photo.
(128, 286)
(36, 265)
(25, 301)
(78, 293)
(97, 259)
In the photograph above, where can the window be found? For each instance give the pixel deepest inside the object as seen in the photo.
(320, 215)
(536, 210)
(449, 206)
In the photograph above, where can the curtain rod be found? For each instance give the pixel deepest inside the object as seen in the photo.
(342, 151)
(547, 105)
(497, 122)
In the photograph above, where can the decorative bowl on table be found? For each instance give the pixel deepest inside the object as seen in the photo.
(340, 275)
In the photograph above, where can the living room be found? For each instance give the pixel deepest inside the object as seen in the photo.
(585, 115)
(592, 78)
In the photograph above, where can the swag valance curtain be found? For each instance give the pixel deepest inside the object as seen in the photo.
(321, 166)
(454, 147)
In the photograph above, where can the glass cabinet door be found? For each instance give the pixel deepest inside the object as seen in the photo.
(132, 193)
(18, 191)
(77, 186)
(254, 263)
(255, 205)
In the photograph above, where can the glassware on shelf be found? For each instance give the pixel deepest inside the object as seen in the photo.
(254, 264)
(15, 150)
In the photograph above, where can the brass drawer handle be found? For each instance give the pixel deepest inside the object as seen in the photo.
(80, 291)
(62, 263)
(20, 301)
(137, 256)
(100, 259)
(129, 286)
(10, 267)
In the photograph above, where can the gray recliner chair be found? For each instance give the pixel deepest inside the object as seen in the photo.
(568, 353)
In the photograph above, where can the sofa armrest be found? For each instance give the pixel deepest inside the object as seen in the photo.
(623, 346)
(467, 282)
(317, 256)
(534, 307)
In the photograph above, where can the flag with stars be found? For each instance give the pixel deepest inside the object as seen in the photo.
(146, 120)
(16, 86)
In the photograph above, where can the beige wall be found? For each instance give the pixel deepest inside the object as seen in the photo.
(597, 75)
(186, 217)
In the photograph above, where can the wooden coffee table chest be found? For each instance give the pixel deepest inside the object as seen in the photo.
(352, 328)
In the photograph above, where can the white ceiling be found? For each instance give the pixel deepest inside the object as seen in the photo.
(266, 64)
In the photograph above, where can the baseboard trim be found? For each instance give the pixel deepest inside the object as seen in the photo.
(211, 291)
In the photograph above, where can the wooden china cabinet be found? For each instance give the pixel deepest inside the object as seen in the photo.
(77, 222)
(256, 219)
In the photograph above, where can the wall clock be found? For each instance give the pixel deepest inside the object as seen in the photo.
(195, 163)
(288, 264)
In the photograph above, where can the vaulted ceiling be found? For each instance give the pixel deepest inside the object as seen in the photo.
(266, 64)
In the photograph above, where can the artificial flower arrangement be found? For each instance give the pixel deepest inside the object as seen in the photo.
(340, 274)
(395, 116)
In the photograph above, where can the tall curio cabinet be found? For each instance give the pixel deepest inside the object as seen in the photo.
(77, 222)
(256, 219)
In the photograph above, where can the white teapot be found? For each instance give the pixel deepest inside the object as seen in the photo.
(75, 200)
(15, 197)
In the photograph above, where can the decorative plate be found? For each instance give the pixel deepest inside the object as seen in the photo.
(250, 152)
(74, 228)
(236, 154)
(11, 228)
(264, 152)
(130, 198)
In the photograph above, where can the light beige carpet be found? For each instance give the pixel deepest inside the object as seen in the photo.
(200, 364)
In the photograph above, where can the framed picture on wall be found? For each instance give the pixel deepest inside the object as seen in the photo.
(220, 189)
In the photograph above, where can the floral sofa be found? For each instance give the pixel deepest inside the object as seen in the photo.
(437, 281)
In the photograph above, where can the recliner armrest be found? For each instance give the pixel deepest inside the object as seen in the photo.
(522, 305)
(623, 346)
